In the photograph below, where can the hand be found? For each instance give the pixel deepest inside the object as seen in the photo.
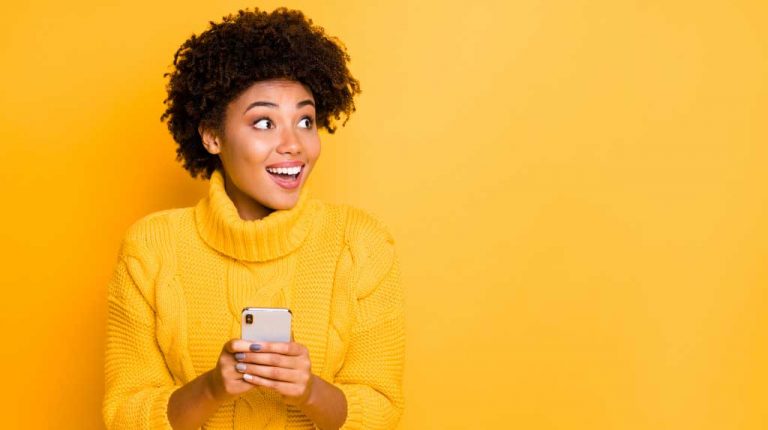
(224, 382)
(282, 366)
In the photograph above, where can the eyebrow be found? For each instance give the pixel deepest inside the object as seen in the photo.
(300, 104)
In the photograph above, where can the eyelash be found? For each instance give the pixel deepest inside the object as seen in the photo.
(311, 121)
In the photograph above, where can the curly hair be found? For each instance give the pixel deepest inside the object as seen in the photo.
(212, 69)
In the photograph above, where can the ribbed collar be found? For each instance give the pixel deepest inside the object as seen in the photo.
(273, 236)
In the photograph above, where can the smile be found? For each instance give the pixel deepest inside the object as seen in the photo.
(286, 177)
(286, 171)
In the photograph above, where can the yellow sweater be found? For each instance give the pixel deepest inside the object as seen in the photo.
(184, 275)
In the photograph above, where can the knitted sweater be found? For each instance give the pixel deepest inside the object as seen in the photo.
(184, 275)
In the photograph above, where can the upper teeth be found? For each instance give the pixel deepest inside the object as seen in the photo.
(284, 170)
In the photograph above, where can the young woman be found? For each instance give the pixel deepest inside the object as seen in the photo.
(246, 99)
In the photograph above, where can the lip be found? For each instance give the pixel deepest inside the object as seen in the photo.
(288, 184)
(287, 164)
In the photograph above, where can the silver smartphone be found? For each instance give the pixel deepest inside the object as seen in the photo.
(266, 325)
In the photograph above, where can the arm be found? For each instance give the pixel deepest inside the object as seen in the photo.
(190, 406)
(138, 383)
(371, 377)
(326, 405)
(140, 391)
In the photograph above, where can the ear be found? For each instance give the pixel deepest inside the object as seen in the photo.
(210, 138)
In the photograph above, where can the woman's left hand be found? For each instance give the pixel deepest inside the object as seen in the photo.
(282, 366)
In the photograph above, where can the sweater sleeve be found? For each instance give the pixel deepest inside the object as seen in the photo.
(371, 377)
(138, 384)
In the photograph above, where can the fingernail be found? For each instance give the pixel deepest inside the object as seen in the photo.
(247, 377)
(239, 356)
(255, 347)
(240, 367)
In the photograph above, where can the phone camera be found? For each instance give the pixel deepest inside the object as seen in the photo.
(248, 318)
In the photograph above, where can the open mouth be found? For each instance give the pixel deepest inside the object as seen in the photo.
(286, 173)
(286, 177)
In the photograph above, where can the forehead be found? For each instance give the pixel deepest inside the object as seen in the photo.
(279, 91)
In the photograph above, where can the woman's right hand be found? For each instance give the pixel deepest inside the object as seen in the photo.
(224, 381)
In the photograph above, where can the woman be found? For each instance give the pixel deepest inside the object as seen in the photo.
(245, 102)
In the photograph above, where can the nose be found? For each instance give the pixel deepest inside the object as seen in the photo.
(290, 142)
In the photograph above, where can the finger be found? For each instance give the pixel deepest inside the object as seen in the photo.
(269, 359)
(284, 388)
(237, 345)
(285, 348)
(270, 372)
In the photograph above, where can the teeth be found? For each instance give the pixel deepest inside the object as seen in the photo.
(285, 170)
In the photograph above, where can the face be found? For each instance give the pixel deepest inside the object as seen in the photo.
(268, 146)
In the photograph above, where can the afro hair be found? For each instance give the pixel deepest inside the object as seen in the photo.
(213, 68)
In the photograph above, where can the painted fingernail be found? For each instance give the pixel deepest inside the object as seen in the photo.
(255, 347)
(240, 367)
(239, 356)
(247, 377)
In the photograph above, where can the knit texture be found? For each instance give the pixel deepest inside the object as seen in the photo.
(184, 275)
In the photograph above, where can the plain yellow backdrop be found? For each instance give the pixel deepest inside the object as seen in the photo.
(577, 189)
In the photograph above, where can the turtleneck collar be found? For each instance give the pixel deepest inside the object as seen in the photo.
(273, 236)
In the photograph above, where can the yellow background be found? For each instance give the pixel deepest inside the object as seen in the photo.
(577, 189)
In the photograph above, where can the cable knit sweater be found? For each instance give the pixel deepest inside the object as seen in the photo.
(184, 275)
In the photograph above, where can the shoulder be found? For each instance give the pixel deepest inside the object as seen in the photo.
(360, 228)
(152, 232)
(363, 226)
(355, 223)
(370, 245)
(147, 248)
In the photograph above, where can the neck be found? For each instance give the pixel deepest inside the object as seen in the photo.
(248, 208)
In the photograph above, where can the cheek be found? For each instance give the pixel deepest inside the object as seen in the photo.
(313, 149)
(249, 151)
(255, 153)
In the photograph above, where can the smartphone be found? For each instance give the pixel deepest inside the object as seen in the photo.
(266, 324)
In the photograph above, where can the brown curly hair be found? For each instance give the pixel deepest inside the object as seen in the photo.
(212, 69)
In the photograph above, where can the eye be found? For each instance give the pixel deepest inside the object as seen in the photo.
(305, 122)
(263, 123)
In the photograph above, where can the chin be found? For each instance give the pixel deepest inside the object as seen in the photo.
(284, 204)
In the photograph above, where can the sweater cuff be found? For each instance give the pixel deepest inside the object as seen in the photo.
(158, 414)
(354, 407)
